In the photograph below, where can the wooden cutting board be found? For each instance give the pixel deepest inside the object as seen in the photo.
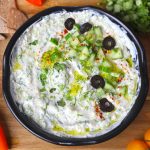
(20, 139)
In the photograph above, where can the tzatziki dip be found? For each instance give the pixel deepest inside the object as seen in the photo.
(75, 73)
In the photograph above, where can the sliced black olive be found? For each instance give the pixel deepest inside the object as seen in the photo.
(69, 23)
(85, 28)
(109, 43)
(97, 81)
(105, 105)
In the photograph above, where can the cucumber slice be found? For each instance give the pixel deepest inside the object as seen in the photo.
(76, 34)
(110, 79)
(98, 32)
(74, 42)
(90, 36)
(72, 53)
(108, 87)
(115, 54)
(124, 91)
(84, 52)
(100, 92)
(100, 54)
(82, 56)
(92, 57)
(68, 36)
(54, 41)
(130, 61)
(81, 38)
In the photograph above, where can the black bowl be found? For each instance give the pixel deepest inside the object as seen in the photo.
(31, 125)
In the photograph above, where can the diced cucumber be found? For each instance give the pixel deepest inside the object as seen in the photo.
(114, 74)
(54, 41)
(100, 54)
(82, 56)
(76, 27)
(100, 92)
(98, 43)
(124, 91)
(105, 66)
(84, 50)
(90, 36)
(135, 87)
(81, 38)
(106, 63)
(92, 57)
(115, 53)
(74, 42)
(110, 79)
(76, 34)
(108, 87)
(68, 36)
(130, 61)
(105, 69)
(72, 53)
(98, 32)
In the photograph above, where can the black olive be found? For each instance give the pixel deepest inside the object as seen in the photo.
(97, 81)
(85, 28)
(105, 105)
(109, 43)
(69, 23)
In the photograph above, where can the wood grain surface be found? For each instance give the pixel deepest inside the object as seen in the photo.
(20, 139)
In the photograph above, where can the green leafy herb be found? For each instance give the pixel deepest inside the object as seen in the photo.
(35, 42)
(135, 12)
(61, 103)
(59, 66)
(42, 90)
(43, 76)
(52, 90)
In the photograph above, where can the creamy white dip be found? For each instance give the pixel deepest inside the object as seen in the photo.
(62, 101)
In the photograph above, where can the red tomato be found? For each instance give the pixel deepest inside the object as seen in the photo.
(3, 143)
(36, 2)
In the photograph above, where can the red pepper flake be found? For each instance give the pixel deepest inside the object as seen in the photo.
(65, 31)
(82, 44)
(98, 112)
(120, 79)
(120, 94)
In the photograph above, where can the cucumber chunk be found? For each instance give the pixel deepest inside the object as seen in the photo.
(98, 32)
(108, 87)
(115, 54)
(54, 41)
(74, 42)
(68, 36)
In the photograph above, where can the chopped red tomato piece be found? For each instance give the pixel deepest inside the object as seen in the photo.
(3, 143)
(36, 2)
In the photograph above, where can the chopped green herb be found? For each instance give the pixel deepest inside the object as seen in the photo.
(52, 90)
(42, 90)
(35, 42)
(43, 76)
(61, 103)
(59, 66)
